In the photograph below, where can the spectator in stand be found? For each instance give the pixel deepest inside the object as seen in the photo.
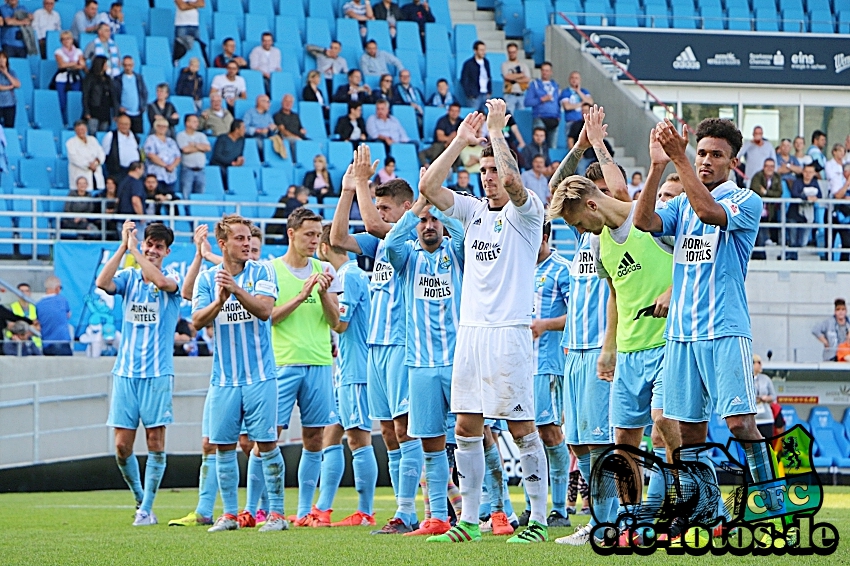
(114, 18)
(767, 183)
(636, 185)
(385, 90)
(352, 127)
(229, 148)
(359, 10)
(319, 179)
(387, 172)
(131, 191)
(104, 46)
(85, 156)
(354, 91)
(671, 188)
(217, 119)
(187, 19)
(24, 308)
(765, 395)
(190, 82)
(14, 16)
(573, 99)
(231, 86)
(807, 189)
(517, 77)
(375, 62)
(833, 171)
(265, 58)
(754, 153)
(542, 98)
(45, 19)
(476, 78)
(163, 108)
(537, 147)
(79, 203)
(800, 151)
(8, 83)
(830, 332)
(71, 64)
(258, 120)
(389, 11)
(841, 212)
(20, 341)
(163, 156)
(53, 313)
(295, 197)
(109, 205)
(85, 21)
(193, 144)
(419, 12)
(408, 95)
(383, 126)
(121, 148)
(815, 151)
(536, 179)
(328, 62)
(787, 165)
(444, 132)
(154, 199)
(228, 54)
(443, 98)
(288, 122)
(462, 185)
(470, 158)
(312, 92)
(131, 92)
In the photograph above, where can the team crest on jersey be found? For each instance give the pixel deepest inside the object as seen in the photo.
(497, 227)
(249, 285)
(445, 262)
(540, 281)
(154, 290)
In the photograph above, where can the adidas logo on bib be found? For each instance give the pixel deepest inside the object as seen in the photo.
(627, 265)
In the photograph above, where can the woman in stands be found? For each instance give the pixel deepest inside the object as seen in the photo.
(312, 92)
(319, 180)
(98, 97)
(8, 83)
(162, 108)
(70, 64)
(384, 90)
(163, 158)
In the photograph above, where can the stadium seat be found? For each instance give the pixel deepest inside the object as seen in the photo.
(41, 143)
(256, 25)
(378, 151)
(821, 21)
(712, 17)
(254, 83)
(794, 20)
(184, 105)
(429, 122)
(739, 17)
(22, 70)
(321, 10)
(286, 25)
(311, 115)
(251, 153)
(161, 23)
(74, 108)
(406, 158)
(275, 181)
(509, 16)
(226, 25)
(262, 7)
(657, 16)
(536, 19)
(128, 45)
(414, 62)
(214, 185)
(242, 205)
(380, 32)
(13, 144)
(46, 70)
(829, 437)
(407, 36)
(789, 413)
(318, 32)
(306, 150)
(407, 116)
(465, 35)
(157, 50)
(208, 211)
(339, 155)
(154, 75)
(329, 206)
(37, 173)
(437, 39)
(46, 114)
(242, 182)
(766, 20)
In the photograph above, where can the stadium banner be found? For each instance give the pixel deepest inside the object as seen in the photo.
(92, 310)
(720, 57)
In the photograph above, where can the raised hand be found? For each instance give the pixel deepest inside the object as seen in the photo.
(226, 281)
(674, 144)
(583, 141)
(594, 125)
(656, 152)
(497, 117)
(201, 237)
(324, 280)
(133, 239)
(469, 130)
(307, 288)
(364, 169)
(348, 181)
(126, 228)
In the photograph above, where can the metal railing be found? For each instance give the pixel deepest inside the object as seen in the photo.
(661, 21)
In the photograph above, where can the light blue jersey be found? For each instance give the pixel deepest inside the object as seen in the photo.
(354, 305)
(386, 318)
(243, 343)
(552, 295)
(432, 284)
(587, 310)
(710, 264)
(150, 318)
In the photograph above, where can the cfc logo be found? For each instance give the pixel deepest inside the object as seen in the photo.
(540, 281)
(498, 226)
(445, 262)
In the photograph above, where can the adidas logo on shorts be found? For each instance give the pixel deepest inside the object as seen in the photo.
(627, 265)
(477, 222)
(736, 401)
(517, 409)
(532, 478)
(597, 432)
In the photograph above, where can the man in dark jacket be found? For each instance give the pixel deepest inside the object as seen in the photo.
(131, 94)
(419, 12)
(352, 127)
(475, 77)
(389, 11)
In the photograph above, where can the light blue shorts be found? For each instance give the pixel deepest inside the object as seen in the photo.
(354, 406)
(256, 404)
(548, 399)
(496, 425)
(587, 400)
(430, 396)
(709, 375)
(638, 388)
(388, 384)
(451, 421)
(140, 399)
(313, 388)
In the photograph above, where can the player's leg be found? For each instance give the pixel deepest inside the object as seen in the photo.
(451, 446)
(548, 406)
(333, 466)
(354, 415)
(207, 479)
(288, 381)
(124, 418)
(502, 520)
(255, 482)
(155, 410)
(226, 408)
(379, 409)
(260, 410)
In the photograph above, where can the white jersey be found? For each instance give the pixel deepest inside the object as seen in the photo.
(501, 248)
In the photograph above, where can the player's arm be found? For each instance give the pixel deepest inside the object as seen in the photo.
(431, 182)
(339, 227)
(258, 305)
(540, 326)
(645, 217)
(204, 313)
(200, 240)
(329, 299)
(396, 240)
(662, 303)
(596, 132)
(105, 279)
(608, 357)
(699, 197)
(281, 312)
(506, 164)
(569, 164)
(149, 271)
(364, 171)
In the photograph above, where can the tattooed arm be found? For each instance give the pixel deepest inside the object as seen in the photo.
(570, 162)
(596, 132)
(505, 162)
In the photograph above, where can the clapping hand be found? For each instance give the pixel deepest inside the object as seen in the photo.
(497, 117)
(470, 129)
(674, 144)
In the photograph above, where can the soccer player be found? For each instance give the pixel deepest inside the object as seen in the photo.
(351, 393)
(238, 297)
(386, 374)
(493, 367)
(708, 357)
(430, 272)
(143, 374)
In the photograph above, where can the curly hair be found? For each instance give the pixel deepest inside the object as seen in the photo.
(723, 129)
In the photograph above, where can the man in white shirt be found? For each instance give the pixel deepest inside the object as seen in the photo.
(44, 20)
(193, 145)
(382, 126)
(86, 20)
(124, 141)
(375, 62)
(230, 85)
(535, 179)
(187, 18)
(754, 153)
(328, 62)
(516, 76)
(266, 59)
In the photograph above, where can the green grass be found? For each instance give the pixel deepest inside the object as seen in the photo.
(91, 528)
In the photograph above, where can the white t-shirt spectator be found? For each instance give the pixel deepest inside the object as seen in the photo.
(186, 17)
(42, 22)
(834, 173)
(229, 89)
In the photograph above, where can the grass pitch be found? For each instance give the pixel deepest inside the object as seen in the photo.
(93, 528)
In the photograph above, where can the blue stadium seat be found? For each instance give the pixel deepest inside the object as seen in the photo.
(829, 437)
(64, 136)
(380, 32)
(128, 45)
(789, 413)
(509, 17)
(406, 158)
(46, 70)
(330, 205)
(161, 22)
(262, 7)
(209, 211)
(275, 181)
(407, 36)
(794, 20)
(66, 11)
(256, 25)
(739, 17)
(21, 69)
(227, 25)
(440, 9)
(243, 205)
(74, 109)
(231, 7)
(251, 153)
(37, 173)
(766, 20)
(437, 39)
(41, 143)
(311, 114)
(321, 9)
(817, 5)
(46, 114)
(339, 155)
(318, 32)
(378, 151)
(465, 35)
(712, 17)
(287, 25)
(536, 19)
(184, 105)
(429, 122)
(571, 9)
(253, 82)
(684, 16)
(214, 184)
(242, 182)
(338, 110)
(413, 61)
(157, 50)
(657, 16)
(763, 5)
(306, 150)
(821, 21)
(283, 83)
(274, 161)
(56, 205)
(407, 116)
(155, 74)
(13, 144)
(626, 16)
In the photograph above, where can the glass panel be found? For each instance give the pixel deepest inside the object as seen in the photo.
(777, 121)
(834, 121)
(694, 113)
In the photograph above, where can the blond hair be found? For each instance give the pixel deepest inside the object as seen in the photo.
(569, 193)
(223, 227)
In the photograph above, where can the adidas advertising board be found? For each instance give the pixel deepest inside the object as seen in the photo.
(720, 57)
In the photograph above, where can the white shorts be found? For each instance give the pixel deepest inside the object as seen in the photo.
(494, 372)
